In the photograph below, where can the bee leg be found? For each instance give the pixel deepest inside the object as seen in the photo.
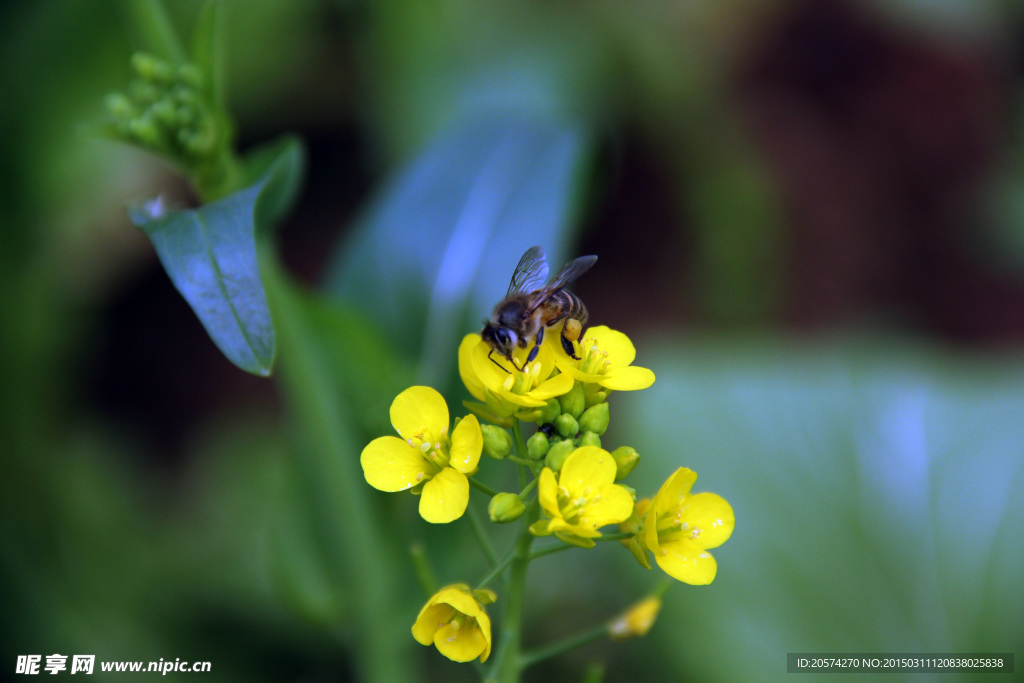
(536, 345)
(567, 345)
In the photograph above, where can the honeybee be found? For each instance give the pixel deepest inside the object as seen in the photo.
(530, 306)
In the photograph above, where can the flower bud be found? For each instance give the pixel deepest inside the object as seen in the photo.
(505, 507)
(550, 411)
(152, 68)
(590, 439)
(567, 425)
(120, 106)
(190, 74)
(164, 112)
(558, 453)
(596, 397)
(635, 621)
(497, 441)
(595, 419)
(626, 459)
(574, 401)
(145, 130)
(537, 446)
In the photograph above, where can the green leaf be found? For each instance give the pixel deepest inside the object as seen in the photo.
(436, 250)
(874, 492)
(210, 255)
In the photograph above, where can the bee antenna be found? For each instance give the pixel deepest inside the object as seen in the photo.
(491, 358)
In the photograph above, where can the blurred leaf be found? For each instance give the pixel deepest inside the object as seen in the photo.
(874, 498)
(210, 255)
(443, 238)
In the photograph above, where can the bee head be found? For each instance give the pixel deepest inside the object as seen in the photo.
(501, 339)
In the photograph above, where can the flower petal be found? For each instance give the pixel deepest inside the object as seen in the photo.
(466, 371)
(426, 623)
(444, 497)
(467, 444)
(419, 413)
(547, 492)
(459, 596)
(617, 345)
(559, 385)
(484, 622)
(672, 492)
(390, 464)
(685, 561)
(630, 378)
(709, 519)
(588, 467)
(614, 505)
(462, 644)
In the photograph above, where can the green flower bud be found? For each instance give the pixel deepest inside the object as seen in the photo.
(595, 419)
(185, 95)
(190, 74)
(590, 439)
(152, 68)
(144, 93)
(120, 106)
(558, 453)
(145, 130)
(567, 425)
(574, 402)
(597, 397)
(163, 111)
(626, 460)
(552, 410)
(537, 446)
(497, 441)
(505, 507)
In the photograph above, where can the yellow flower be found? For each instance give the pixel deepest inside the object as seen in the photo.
(680, 527)
(635, 621)
(454, 620)
(520, 393)
(425, 459)
(583, 498)
(605, 357)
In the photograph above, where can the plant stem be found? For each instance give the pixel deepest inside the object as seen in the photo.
(155, 30)
(570, 643)
(481, 535)
(480, 486)
(550, 549)
(424, 573)
(507, 661)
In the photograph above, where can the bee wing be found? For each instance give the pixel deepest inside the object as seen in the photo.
(562, 279)
(531, 272)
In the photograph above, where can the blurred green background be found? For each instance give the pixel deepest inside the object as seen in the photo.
(809, 216)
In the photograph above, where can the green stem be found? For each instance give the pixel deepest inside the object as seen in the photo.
(155, 30)
(507, 662)
(521, 461)
(570, 643)
(549, 550)
(496, 570)
(481, 535)
(529, 487)
(428, 582)
(617, 536)
(480, 486)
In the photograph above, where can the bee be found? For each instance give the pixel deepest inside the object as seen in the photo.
(530, 307)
